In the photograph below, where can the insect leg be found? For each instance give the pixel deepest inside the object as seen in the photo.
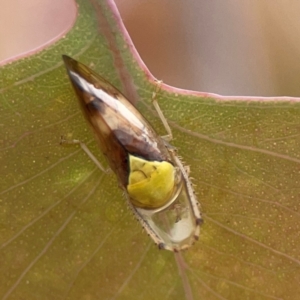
(169, 136)
(86, 150)
(193, 201)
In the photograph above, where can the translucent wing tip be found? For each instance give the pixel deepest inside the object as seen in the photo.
(67, 59)
(70, 63)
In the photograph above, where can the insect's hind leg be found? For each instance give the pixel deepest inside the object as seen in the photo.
(86, 150)
(169, 136)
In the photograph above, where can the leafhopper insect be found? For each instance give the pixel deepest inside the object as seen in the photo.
(155, 182)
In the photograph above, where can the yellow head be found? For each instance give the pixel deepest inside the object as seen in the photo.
(150, 183)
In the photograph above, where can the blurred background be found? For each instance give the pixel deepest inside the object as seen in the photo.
(249, 47)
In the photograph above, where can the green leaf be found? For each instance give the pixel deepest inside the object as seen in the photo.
(65, 230)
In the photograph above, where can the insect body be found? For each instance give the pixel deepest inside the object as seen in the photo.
(155, 182)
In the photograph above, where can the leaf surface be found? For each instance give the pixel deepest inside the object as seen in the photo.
(65, 229)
